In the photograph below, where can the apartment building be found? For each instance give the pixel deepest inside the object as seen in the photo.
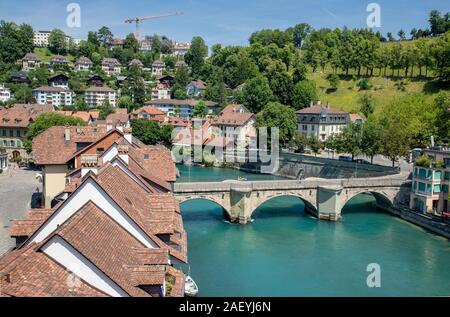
(96, 96)
(431, 181)
(40, 38)
(55, 96)
(322, 121)
(182, 108)
(161, 91)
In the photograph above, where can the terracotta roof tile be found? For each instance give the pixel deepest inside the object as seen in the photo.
(21, 115)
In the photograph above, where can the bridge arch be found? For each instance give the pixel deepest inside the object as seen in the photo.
(310, 207)
(227, 211)
(383, 198)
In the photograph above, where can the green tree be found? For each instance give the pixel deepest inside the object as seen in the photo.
(131, 43)
(441, 54)
(15, 41)
(200, 110)
(105, 36)
(105, 110)
(371, 138)
(196, 55)
(298, 142)
(23, 94)
(150, 133)
(57, 42)
(314, 144)
(366, 105)
(276, 115)
(134, 86)
(334, 81)
(46, 121)
(401, 35)
(442, 120)
(125, 102)
(301, 31)
(256, 94)
(305, 92)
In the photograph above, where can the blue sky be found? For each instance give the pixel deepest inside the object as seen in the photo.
(229, 22)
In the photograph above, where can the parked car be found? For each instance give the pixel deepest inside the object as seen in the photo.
(361, 161)
(345, 159)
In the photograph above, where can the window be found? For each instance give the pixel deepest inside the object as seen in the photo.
(422, 187)
(429, 174)
(100, 150)
(437, 189)
(305, 127)
(146, 157)
(11, 133)
(437, 175)
(447, 176)
(4, 132)
(422, 173)
(428, 188)
(18, 133)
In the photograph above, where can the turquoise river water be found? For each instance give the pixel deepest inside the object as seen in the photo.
(286, 252)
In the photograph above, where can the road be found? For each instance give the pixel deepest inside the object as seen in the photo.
(16, 189)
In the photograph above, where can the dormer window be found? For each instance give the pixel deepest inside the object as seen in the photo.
(146, 157)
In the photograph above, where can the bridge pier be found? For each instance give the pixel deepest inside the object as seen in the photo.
(328, 202)
(241, 203)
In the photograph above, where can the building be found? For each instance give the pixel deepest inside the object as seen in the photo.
(158, 68)
(40, 38)
(146, 44)
(180, 49)
(116, 43)
(59, 80)
(30, 62)
(116, 231)
(58, 60)
(431, 181)
(322, 121)
(181, 108)
(14, 123)
(149, 113)
(5, 94)
(136, 62)
(96, 96)
(237, 123)
(356, 118)
(96, 80)
(87, 116)
(83, 64)
(55, 96)
(4, 160)
(119, 118)
(180, 64)
(195, 89)
(167, 80)
(161, 91)
(111, 66)
(20, 78)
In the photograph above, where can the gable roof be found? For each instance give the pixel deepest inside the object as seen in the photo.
(61, 150)
(320, 109)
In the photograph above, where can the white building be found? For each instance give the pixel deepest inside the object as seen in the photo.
(83, 64)
(96, 96)
(56, 96)
(30, 62)
(5, 93)
(161, 91)
(322, 121)
(182, 108)
(111, 66)
(180, 49)
(158, 68)
(40, 38)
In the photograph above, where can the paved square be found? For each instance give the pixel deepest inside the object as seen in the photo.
(16, 189)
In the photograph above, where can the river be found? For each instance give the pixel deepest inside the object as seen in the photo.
(286, 252)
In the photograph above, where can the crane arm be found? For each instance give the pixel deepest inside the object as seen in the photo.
(152, 17)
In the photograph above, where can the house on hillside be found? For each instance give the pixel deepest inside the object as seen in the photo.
(83, 64)
(55, 96)
(59, 80)
(30, 62)
(195, 89)
(158, 68)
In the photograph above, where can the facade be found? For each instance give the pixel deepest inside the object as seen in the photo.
(40, 38)
(195, 89)
(116, 43)
(55, 96)
(180, 49)
(150, 114)
(4, 160)
(59, 80)
(14, 124)
(161, 91)
(96, 80)
(181, 108)
(180, 64)
(30, 62)
(5, 94)
(111, 66)
(430, 191)
(322, 121)
(83, 64)
(97, 96)
(158, 68)
(237, 123)
(58, 60)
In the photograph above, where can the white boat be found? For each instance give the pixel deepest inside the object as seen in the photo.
(190, 288)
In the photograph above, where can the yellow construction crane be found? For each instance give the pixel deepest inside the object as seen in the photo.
(138, 21)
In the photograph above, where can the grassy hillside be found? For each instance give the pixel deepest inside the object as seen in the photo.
(384, 90)
(44, 54)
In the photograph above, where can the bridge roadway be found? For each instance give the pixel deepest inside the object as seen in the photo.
(323, 198)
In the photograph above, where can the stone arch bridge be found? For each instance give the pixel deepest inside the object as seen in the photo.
(323, 198)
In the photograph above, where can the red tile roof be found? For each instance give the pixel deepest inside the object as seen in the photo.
(178, 102)
(20, 115)
(61, 150)
(83, 115)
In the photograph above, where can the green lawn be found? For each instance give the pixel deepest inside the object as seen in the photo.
(44, 54)
(384, 90)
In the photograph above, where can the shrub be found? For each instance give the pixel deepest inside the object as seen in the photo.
(423, 161)
(364, 84)
(1, 171)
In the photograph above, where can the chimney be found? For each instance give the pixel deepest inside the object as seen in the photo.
(128, 134)
(123, 153)
(89, 163)
(328, 105)
(432, 141)
(67, 133)
(319, 103)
